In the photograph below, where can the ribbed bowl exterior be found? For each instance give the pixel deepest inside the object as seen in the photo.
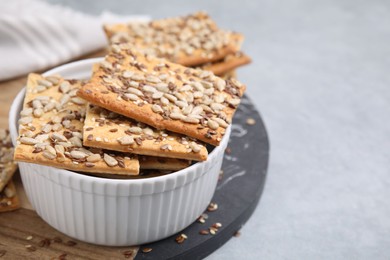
(120, 212)
(117, 212)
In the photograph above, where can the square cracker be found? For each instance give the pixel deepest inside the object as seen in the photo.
(50, 130)
(108, 130)
(188, 40)
(7, 164)
(164, 95)
(9, 200)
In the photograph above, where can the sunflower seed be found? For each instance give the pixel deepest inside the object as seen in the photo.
(25, 120)
(26, 112)
(137, 77)
(157, 95)
(64, 99)
(157, 109)
(164, 101)
(131, 96)
(38, 112)
(177, 116)
(58, 137)
(153, 79)
(135, 91)
(180, 104)
(53, 79)
(135, 130)
(198, 86)
(46, 128)
(127, 74)
(234, 102)
(187, 109)
(45, 83)
(190, 119)
(195, 147)
(110, 161)
(64, 87)
(217, 106)
(163, 87)
(220, 84)
(40, 88)
(172, 98)
(212, 124)
(78, 154)
(37, 104)
(78, 101)
(148, 88)
(57, 127)
(221, 122)
(59, 148)
(148, 131)
(49, 106)
(126, 140)
(76, 141)
(42, 138)
(48, 155)
(94, 158)
(250, 121)
(28, 140)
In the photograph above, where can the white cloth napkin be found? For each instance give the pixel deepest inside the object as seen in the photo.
(35, 35)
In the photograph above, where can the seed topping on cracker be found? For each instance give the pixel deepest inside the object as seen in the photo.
(163, 94)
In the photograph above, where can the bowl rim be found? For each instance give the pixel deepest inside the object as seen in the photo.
(14, 114)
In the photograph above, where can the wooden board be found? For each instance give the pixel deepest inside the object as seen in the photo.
(238, 192)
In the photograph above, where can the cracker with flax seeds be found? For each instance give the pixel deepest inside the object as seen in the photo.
(164, 95)
(188, 40)
(109, 130)
(9, 199)
(50, 130)
(54, 135)
(7, 165)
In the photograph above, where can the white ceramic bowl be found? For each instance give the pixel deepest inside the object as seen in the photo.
(116, 212)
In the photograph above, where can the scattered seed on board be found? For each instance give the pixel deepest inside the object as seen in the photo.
(146, 249)
(181, 238)
(212, 207)
(250, 121)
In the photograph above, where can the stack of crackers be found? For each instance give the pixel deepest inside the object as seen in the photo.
(194, 40)
(8, 197)
(140, 114)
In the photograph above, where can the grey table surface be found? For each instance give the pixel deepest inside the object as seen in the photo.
(320, 78)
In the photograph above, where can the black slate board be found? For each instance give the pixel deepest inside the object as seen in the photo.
(237, 193)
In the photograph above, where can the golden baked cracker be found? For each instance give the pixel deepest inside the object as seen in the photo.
(7, 164)
(188, 40)
(9, 200)
(163, 94)
(108, 130)
(230, 62)
(50, 130)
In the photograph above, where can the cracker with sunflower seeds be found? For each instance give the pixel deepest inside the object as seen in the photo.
(7, 165)
(188, 40)
(109, 130)
(50, 130)
(164, 95)
(51, 127)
